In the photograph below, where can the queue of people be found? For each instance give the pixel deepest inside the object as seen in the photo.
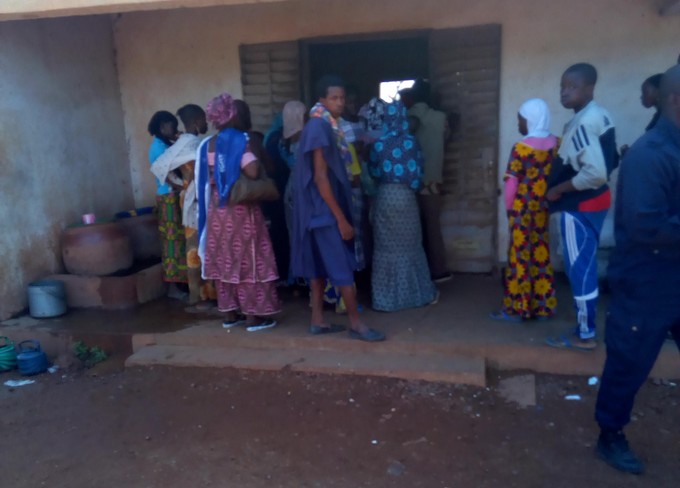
(330, 170)
(347, 182)
(570, 176)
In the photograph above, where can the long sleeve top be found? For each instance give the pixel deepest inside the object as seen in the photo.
(587, 157)
(647, 219)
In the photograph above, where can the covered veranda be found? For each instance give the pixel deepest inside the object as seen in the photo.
(453, 341)
(93, 71)
(97, 75)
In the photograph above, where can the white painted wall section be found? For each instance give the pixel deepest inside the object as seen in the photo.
(170, 58)
(62, 144)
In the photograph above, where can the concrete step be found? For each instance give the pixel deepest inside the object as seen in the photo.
(430, 367)
(507, 353)
(212, 335)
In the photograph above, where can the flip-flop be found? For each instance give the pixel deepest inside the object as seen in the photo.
(371, 335)
(563, 342)
(331, 329)
(505, 317)
(265, 324)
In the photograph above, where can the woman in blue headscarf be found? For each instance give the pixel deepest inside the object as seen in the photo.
(234, 244)
(401, 276)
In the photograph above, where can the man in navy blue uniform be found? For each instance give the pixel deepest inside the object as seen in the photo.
(644, 274)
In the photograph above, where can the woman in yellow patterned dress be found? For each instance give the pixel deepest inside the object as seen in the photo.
(529, 291)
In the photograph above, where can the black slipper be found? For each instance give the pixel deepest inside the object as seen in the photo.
(371, 335)
(331, 329)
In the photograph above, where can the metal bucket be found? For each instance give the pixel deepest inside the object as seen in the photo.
(46, 298)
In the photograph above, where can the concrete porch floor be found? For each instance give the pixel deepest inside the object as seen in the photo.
(451, 341)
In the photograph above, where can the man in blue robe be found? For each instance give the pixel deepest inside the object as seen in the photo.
(322, 244)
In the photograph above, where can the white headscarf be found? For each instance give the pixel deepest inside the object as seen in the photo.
(293, 118)
(537, 113)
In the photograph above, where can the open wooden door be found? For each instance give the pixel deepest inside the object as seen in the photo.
(270, 76)
(465, 76)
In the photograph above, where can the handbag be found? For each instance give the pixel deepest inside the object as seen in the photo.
(248, 190)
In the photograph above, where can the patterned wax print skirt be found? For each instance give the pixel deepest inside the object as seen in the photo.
(401, 276)
(173, 256)
(240, 258)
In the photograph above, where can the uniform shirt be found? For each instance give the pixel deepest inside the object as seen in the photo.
(430, 135)
(647, 219)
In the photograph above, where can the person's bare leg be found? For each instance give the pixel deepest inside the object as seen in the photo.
(317, 286)
(349, 295)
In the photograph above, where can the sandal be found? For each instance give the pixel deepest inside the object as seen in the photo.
(563, 342)
(371, 335)
(505, 316)
(265, 324)
(328, 329)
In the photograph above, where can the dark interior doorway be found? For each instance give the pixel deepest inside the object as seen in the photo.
(463, 66)
(366, 63)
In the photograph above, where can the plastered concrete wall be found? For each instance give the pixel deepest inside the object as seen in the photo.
(62, 144)
(170, 58)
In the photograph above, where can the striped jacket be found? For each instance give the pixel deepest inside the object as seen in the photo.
(587, 157)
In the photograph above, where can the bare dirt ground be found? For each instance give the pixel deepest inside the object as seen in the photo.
(168, 428)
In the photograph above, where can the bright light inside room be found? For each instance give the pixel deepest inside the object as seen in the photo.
(389, 90)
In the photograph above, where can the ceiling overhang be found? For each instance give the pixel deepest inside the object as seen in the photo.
(37, 9)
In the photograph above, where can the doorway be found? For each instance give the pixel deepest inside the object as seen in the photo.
(463, 67)
(364, 64)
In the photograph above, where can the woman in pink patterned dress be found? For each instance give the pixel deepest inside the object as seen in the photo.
(234, 243)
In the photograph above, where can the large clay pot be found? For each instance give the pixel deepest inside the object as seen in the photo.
(96, 250)
(144, 237)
